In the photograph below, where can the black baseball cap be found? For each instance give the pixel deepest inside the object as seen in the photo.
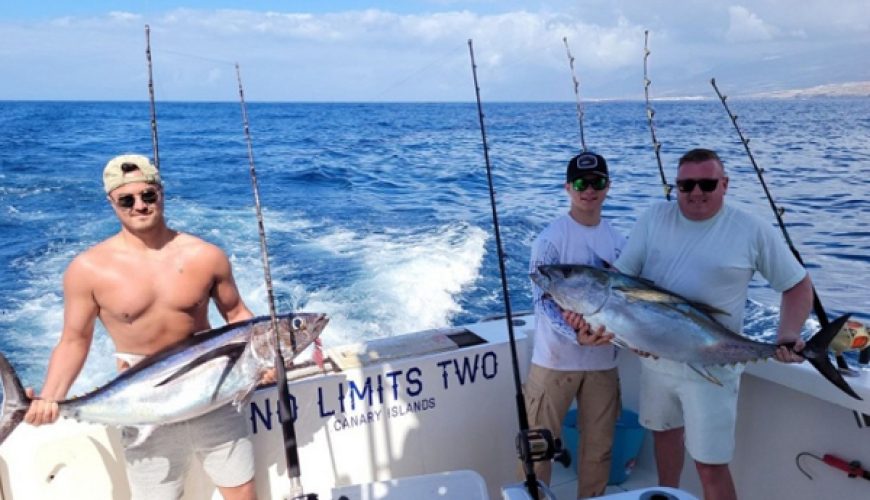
(586, 163)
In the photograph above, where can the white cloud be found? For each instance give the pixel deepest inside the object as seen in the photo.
(124, 16)
(377, 54)
(745, 26)
(364, 52)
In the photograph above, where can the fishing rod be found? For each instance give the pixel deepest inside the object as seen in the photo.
(291, 453)
(284, 406)
(528, 467)
(576, 93)
(778, 212)
(151, 98)
(534, 445)
(650, 113)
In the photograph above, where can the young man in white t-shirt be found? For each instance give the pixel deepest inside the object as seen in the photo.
(707, 251)
(576, 364)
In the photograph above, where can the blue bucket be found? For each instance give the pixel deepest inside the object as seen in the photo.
(627, 439)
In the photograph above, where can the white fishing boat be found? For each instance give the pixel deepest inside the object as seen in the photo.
(434, 412)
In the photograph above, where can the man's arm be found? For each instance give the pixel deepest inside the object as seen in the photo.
(79, 315)
(225, 292)
(794, 308)
(229, 301)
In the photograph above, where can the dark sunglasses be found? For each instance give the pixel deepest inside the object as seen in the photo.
(581, 183)
(148, 197)
(688, 185)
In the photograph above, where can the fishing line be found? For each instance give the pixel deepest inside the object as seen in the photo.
(197, 56)
(523, 438)
(291, 453)
(576, 93)
(443, 57)
(151, 99)
(650, 113)
(777, 212)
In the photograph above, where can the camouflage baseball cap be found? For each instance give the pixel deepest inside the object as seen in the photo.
(126, 169)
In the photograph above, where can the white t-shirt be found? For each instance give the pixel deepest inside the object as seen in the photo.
(566, 241)
(710, 261)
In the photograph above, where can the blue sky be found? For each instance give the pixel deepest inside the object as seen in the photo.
(307, 50)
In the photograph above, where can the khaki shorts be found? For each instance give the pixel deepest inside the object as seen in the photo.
(706, 410)
(220, 440)
(548, 395)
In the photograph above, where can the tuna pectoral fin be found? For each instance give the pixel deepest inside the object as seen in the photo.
(618, 342)
(659, 296)
(703, 372)
(15, 401)
(230, 351)
(816, 352)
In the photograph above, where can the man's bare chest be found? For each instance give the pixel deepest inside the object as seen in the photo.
(166, 286)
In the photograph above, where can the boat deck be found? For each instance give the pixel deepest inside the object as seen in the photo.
(564, 482)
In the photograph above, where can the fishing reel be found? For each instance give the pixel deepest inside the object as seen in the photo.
(538, 445)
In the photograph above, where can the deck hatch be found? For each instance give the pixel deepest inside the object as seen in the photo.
(466, 338)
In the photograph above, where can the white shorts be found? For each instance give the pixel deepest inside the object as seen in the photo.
(682, 398)
(220, 440)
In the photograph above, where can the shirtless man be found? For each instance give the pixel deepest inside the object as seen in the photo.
(150, 287)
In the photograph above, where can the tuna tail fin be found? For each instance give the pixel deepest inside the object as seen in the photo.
(15, 401)
(816, 352)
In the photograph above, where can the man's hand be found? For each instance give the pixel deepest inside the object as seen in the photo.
(785, 354)
(585, 334)
(269, 377)
(41, 411)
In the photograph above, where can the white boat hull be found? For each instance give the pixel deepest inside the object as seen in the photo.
(399, 407)
(418, 405)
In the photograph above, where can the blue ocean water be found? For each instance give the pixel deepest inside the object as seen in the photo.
(379, 215)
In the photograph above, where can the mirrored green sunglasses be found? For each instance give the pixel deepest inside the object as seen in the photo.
(581, 183)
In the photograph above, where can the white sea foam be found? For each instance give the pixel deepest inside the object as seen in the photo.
(37, 319)
(406, 282)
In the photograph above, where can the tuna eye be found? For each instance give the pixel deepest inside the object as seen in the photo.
(297, 323)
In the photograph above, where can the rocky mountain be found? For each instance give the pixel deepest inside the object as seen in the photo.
(849, 89)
